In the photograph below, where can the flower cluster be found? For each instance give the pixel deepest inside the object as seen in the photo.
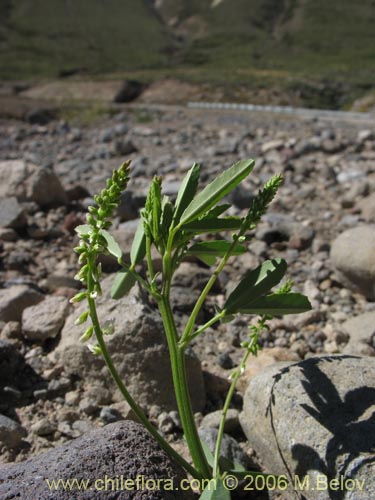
(95, 240)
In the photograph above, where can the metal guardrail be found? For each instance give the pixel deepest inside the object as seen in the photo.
(313, 113)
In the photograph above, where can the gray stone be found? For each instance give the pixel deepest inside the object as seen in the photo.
(138, 348)
(11, 330)
(43, 427)
(213, 420)
(29, 182)
(283, 227)
(11, 432)
(121, 449)
(124, 147)
(350, 176)
(353, 256)
(361, 331)
(8, 234)
(315, 419)
(15, 299)
(45, 320)
(365, 135)
(109, 415)
(230, 449)
(367, 206)
(11, 213)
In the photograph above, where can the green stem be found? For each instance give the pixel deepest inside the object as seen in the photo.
(228, 399)
(177, 356)
(186, 336)
(133, 405)
(131, 270)
(204, 327)
(150, 264)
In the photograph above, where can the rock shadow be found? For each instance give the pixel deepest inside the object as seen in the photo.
(18, 380)
(349, 419)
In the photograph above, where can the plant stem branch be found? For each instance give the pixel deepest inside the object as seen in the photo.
(228, 399)
(204, 327)
(186, 336)
(133, 405)
(181, 388)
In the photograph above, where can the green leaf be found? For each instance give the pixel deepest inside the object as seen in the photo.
(186, 192)
(216, 190)
(209, 260)
(255, 284)
(209, 225)
(216, 211)
(208, 453)
(138, 248)
(278, 304)
(152, 210)
(156, 207)
(215, 491)
(83, 229)
(122, 284)
(166, 217)
(124, 281)
(112, 245)
(218, 248)
(238, 468)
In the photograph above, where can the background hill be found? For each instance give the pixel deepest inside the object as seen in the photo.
(326, 45)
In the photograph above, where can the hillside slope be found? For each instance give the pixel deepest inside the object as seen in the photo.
(237, 41)
(47, 37)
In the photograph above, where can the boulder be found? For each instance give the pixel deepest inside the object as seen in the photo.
(367, 207)
(353, 257)
(11, 213)
(46, 319)
(138, 348)
(213, 419)
(15, 299)
(29, 182)
(361, 331)
(313, 422)
(11, 432)
(103, 459)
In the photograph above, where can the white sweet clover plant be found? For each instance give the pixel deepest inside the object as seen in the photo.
(172, 229)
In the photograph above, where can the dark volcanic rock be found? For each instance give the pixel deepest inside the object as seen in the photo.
(118, 450)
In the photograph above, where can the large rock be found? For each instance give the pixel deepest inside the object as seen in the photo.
(15, 299)
(118, 452)
(11, 213)
(315, 419)
(46, 319)
(138, 349)
(353, 256)
(11, 432)
(28, 182)
(367, 206)
(361, 331)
